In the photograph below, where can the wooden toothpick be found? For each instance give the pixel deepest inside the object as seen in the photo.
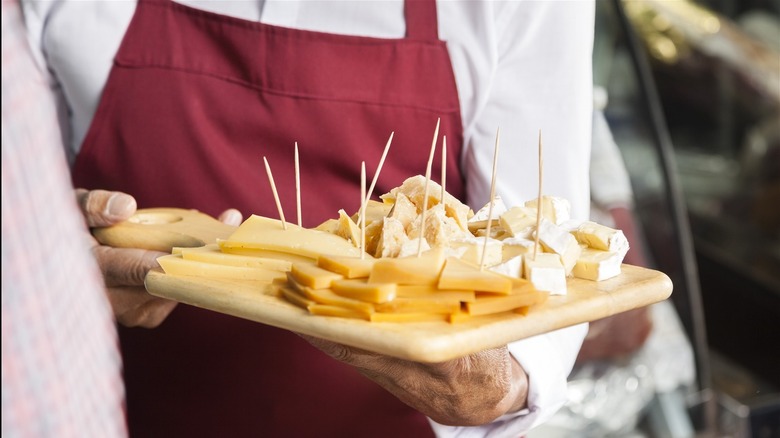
(425, 192)
(378, 169)
(443, 167)
(492, 197)
(298, 185)
(276, 194)
(539, 197)
(363, 202)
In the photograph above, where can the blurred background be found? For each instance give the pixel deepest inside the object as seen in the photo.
(690, 91)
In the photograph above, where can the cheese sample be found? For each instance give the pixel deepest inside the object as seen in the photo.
(601, 237)
(423, 270)
(329, 226)
(555, 209)
(414, 188)
(421, 291)
(265, 254)
(403, 210)
(358, 289)
(337, 310)
(263, 233)
(557, 240)
(512, 267)
(212, 254)
(327, 296)
(516, 246)
(432, 304)
(439, 228)
(412, 246)
(174, 264)
(485, 305)
(349, 267)
(391, 239)
(295, 298)
(313, 276)
(348, 229)
(598, 265)
(407, 317)
(546, 272)
(470, 249)
(480, 218)
(460, 275)
(518, 221)
(375, 211)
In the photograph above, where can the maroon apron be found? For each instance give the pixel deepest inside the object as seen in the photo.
(193, 103)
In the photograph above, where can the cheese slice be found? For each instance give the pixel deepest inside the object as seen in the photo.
(423, 270)
(422, 291)
(327, 296)
(338, 311)
(375, 211)
(403, 210)
(407, 317)
(212, 254)
(485, 305)
(518, 221)
(511, 268)
(546, 272)
(439, 228)
(265, 254)
(470, 249)
(555, 209)
(430, 304)
(557, 240)
(313, 276)
(174, 264)
(598, 265)
(263, 233)
(348, 229)
(349, 267)
(295, 297)
(330, 226)
(461, 275)
(391, 239)
(359, 289)
(601, 237)
(480, 219)
(516, 246)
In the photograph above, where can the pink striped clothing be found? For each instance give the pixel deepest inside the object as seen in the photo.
(61, 365)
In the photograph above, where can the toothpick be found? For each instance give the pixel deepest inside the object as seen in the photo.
(425, 192)
(443, 168)
(362, 210)
(539, 197)
(378, 169)
(298, 185)
(490, 205)
(276, 194)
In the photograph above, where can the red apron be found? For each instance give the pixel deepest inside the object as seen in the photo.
(193, 103)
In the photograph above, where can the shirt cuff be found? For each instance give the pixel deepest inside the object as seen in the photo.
(547, 360)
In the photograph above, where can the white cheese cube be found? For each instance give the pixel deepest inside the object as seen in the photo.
(546, 272)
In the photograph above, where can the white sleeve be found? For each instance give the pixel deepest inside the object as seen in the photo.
(609, 181)
(548, 360)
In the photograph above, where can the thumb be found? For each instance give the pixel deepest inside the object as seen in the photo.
(231, 217)
(102, 208)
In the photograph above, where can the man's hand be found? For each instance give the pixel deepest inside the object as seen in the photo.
(124, 269)
(469, 391)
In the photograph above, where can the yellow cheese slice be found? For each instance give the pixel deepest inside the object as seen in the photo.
(330, 226)
(419, 305)
(461, 275)
(341, 312)
(262, 253)
(174, 264)
(360, 290)
(375, 211)
(518, 221)
(349, 267)
(423, 291)
(422, 270)
(295, 298)
(348, 229)
(485, 305)
(407, 317)
(313, 276)
(326, 296)
(259, 232)
(212, 254)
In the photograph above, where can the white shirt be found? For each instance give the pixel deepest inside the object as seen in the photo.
(521, 66)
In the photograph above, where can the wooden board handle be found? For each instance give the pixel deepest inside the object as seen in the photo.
(161, 229)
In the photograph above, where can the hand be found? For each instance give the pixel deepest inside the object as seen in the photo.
(468, 391)
(124, 269)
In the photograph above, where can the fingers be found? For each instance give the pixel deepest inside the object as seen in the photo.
(103, 208)
(231, 217)
(134, 307)
(125, 266)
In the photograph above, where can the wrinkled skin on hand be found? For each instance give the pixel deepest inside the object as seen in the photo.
(124, 269)
(468, 391)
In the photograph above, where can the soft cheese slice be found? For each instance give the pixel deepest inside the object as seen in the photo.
(174, 264)
(518, 221)
(313, 276)
(555, 209)
(546, 272)
(359, 289)
(212, 254)
(480, 218)
(557, 240)
(259, 232)
(349, 267)
(598, 265)
(601, 237)
(470, 249)
(460, 275)
(423, 270)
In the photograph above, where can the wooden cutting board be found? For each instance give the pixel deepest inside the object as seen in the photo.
(422, 342)
(164, 228)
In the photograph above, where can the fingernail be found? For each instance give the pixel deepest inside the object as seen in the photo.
(120, 205)
(232, 217)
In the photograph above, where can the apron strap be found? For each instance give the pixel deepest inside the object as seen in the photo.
(421, 19)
